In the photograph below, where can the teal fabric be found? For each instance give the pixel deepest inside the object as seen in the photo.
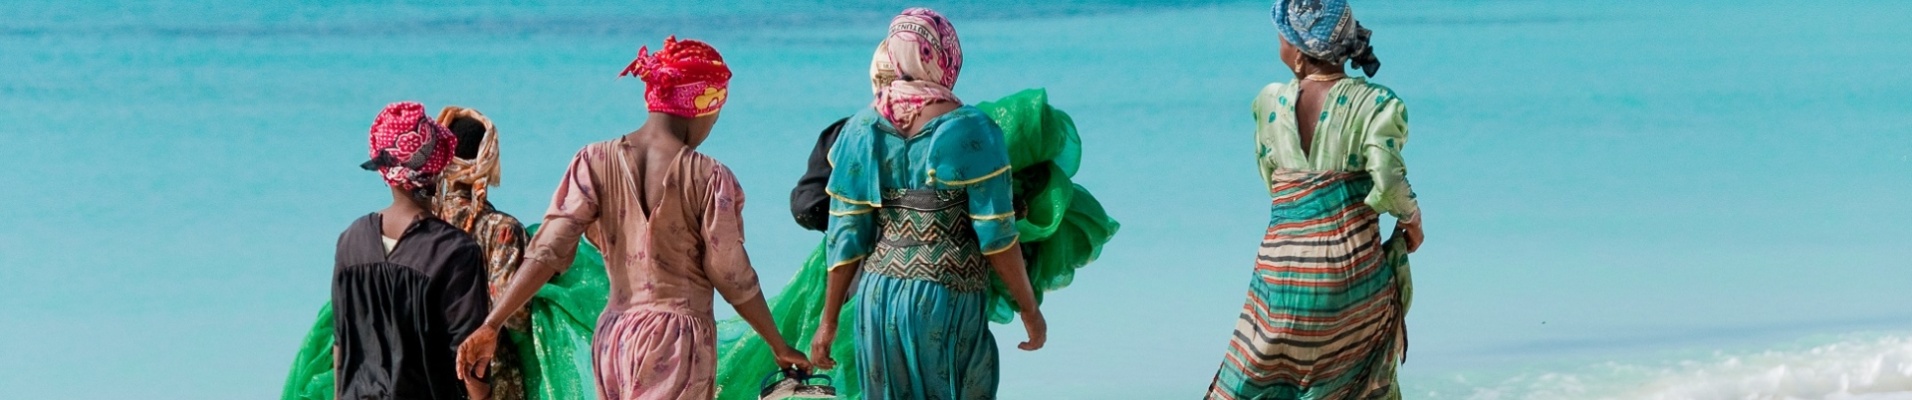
(918, 340)
(961, 149)
(1065, 230)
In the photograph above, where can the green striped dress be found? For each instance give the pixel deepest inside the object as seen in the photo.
(1324, 315)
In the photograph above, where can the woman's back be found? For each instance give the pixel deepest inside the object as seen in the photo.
(669, 253)
(1362, 126)
(1354, 114)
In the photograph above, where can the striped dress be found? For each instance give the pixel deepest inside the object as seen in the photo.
(1325, 308)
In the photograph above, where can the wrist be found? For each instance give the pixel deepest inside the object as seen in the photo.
(1412, 218)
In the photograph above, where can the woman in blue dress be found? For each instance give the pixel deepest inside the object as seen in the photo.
(920, 214)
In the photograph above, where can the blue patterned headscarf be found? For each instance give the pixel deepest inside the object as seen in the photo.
(1326, 30)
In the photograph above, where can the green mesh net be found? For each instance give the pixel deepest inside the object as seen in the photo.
(1064, 229)
(557, 349)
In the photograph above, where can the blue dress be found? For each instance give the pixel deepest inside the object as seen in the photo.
(918, 215)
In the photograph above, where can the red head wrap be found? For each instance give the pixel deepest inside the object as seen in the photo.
(408, 149)
(686, 78)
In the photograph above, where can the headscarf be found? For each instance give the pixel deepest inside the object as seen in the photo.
(408, 149)
(685, 78)
(923, 49)
(481, 171)
(1326, 30)
(882, 71)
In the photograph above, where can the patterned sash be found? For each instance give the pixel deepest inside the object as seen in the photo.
(926, 235)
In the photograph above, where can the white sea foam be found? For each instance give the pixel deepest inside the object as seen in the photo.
(1870, 367)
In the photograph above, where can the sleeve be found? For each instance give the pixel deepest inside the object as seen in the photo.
(1261, 118)
(983, 162)
(725, 261)
(1387, 134)
(503, 259)
(808, 202)
(463, 293)
(992, 212)
(507, 251)
(573, 208)
(851, 234)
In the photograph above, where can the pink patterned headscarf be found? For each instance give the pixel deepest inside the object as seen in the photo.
(408, 149)
(685, 78)
(923, 49)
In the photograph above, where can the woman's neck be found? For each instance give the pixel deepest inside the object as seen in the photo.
(404, 202)
(663, 126)
(1320, 70)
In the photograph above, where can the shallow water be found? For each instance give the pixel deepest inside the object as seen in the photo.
(1618, 194)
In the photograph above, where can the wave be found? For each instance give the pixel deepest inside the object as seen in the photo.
(1847, 367)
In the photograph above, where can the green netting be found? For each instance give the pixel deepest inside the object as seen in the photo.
(558, 348)
(743, 357)
(1065, 229)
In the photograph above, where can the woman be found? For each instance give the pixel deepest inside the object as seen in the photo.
(1060, 225)
(462, 201)
(921, 210)
(1324, 316)
(668, 221)
(540, 365)
(407, 286)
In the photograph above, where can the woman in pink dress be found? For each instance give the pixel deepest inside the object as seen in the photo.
(668, 221)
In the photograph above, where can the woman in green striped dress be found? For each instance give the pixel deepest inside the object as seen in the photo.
(1324, 316)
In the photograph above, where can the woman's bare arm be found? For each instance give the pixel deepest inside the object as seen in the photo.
(834, 295)
(1009, 265)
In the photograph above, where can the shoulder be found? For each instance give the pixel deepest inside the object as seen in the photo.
(866, 118)
(966, 122)
(1378, 93)
(714, 172)
(500, 224)
(969, 116)
(359, 227)
(448, 235)
(1272, 90)
(854, 135)
(596, 149)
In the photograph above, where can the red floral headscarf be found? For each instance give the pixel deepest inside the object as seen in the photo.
(408, 149)
(686, 78)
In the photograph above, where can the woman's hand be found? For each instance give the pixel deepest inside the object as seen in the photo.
(1411, 230)
(820, 347)
(1038, 329)
(474, 355)
(790, 358)
(477, 389)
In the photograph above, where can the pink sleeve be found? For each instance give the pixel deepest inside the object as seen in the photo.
(725, 261)
(574, 207)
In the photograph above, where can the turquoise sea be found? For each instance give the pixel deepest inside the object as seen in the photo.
(1625, 199)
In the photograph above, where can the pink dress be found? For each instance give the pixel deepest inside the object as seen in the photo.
(656, 338)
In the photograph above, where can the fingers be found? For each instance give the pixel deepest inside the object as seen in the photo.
(1035, 342)
(473, 362)
(1414, 238)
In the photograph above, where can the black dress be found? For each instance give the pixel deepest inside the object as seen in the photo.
(399, 317)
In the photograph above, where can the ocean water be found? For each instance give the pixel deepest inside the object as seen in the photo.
(1630, 199)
